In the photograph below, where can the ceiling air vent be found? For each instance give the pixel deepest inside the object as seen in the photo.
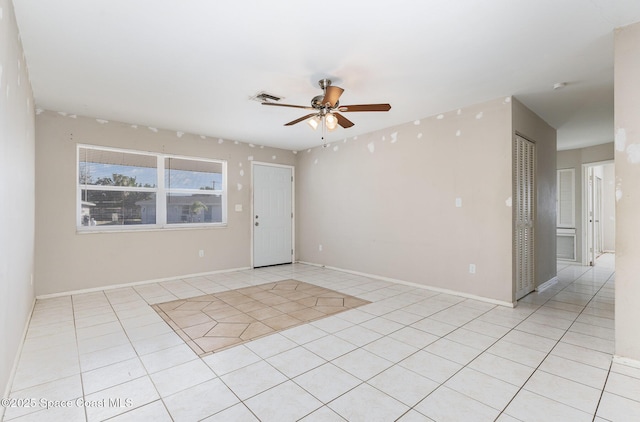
(265, 97)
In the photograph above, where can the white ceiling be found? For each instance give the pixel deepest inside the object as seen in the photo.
(192, 66)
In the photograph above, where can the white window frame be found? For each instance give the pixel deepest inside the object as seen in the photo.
(160, 191)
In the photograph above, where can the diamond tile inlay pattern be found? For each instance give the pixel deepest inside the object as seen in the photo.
(214, 322)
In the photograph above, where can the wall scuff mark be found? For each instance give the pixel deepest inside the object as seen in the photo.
(633, 153)
(620, 139)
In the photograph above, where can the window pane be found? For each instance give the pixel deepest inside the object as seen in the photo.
(115, 168)
(185, 209)
(114, 208)
(192, 174)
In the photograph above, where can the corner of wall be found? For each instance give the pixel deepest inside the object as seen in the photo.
(17, 184)
(531, 126)
(627, 162)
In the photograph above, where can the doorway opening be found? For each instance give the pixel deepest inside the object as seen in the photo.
(598, 219)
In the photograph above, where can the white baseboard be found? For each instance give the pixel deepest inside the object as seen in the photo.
(137, 283)
(16, 359)
(421, 286)
(626, 361)
(544, 286)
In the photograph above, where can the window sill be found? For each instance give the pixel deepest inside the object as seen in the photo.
(152, 229)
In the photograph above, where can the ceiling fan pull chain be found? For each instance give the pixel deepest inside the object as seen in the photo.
(324, 131)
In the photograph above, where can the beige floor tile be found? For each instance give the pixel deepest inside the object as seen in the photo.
(265, 313)
(227, 329)
(255, 330)
(307, 314)
(199, 330)
(281, 322)
(210, 344)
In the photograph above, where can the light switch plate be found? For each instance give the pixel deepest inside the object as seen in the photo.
(238, 207)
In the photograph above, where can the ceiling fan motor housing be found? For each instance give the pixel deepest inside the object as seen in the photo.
(316, 102)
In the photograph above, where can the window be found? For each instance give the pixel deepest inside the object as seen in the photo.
(194, 190)
(118, 188)
(566, 198)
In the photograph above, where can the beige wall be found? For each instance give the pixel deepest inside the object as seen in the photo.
(530, 126)
(67, 260)
(627, 161)
(385, 203)
(575, 158)
(17, 201)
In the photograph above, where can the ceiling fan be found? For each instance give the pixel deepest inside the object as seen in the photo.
(326, 107)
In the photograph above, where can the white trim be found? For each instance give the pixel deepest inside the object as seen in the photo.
(137, 283)
(544, 286)
(16, 360)
(421, 286)
(293, 206)
(626, 361)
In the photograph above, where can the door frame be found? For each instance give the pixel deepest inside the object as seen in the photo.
(587, 256)
(293, 206)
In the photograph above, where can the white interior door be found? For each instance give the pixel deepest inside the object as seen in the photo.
(272, 215)
(597, 216)
(524, 163)
(594, 203)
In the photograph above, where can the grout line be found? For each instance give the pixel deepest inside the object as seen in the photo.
(604, 386)
(551, 350)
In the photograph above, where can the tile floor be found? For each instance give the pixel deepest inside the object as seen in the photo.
(214, 322)
(410, 355)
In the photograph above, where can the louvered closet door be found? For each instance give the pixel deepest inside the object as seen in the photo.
(524, 161)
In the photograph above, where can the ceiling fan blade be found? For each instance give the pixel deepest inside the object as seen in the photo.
(365, 107)
(343, 121)
(332, 95)
(300, 119)
(288, 105)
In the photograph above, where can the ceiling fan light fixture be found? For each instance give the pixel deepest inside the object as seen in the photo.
(331, 121)
(314, 122)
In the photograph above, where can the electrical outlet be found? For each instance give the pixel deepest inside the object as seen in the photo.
(472, 268)
(320, 248)
(201, 253)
